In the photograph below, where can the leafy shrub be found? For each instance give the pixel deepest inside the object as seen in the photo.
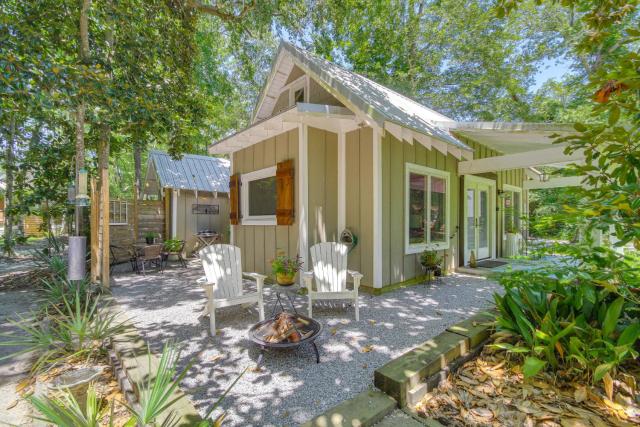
(66, 411)
(75, 330)
(581, 316)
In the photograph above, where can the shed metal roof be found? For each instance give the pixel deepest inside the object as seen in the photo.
(192, 172)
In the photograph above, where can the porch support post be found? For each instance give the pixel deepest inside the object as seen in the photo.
(303, 196)
(377, 208)
(342, 181)
(174, 213)
(232, 235)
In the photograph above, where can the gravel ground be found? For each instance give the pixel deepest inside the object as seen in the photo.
(290, 388)
(13, 410)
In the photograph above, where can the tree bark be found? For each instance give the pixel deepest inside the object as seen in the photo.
(137, 187)
(81, 108)
(103, 205)
(8, 199)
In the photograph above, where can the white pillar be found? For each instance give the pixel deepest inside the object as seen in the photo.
(377, 208)
(174, 213)
(232, 236)
(303, 196)
(342, 181)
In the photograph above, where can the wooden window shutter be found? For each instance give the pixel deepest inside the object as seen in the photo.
(284, 192)
(234, 199)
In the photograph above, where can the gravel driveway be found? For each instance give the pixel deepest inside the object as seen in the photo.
(290, 387)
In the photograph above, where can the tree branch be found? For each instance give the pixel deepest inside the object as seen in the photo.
(219, 12)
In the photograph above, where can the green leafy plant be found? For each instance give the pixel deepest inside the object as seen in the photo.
(581, 316)
(65, 411)
(172, 245)
(286, 265)
(430, 258)
(150, 235)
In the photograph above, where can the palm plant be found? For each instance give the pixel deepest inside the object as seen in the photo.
(66, 411)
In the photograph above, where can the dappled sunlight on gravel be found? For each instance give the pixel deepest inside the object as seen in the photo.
(290, 387)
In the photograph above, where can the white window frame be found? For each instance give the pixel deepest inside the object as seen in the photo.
(301, 82)
(245, 179)
(512, 189)
(414, 248)
(126, 212)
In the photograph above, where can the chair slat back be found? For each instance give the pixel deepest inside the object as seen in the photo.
(152, 252)
(223, 266)
(329, 266)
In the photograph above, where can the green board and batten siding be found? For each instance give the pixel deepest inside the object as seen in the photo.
(261, 243)
(398, 267)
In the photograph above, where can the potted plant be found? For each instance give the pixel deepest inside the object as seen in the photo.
(173, 246)
(430, 260)
(285, 269)
(150, 237)
(512, 235)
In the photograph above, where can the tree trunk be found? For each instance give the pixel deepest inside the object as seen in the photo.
(8, 198)
(103, 205)
(137, 164)
(81, 108)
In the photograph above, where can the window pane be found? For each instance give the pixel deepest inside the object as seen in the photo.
(471, 218)
(262, 196)
(298, 96)
(438, 224)
(483, 220)
(417, 208)
(509, 211)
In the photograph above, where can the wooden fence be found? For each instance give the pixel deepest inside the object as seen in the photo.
(151, 218)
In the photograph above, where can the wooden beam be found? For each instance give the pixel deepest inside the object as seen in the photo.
(93, 230)
(517, 161)
(563, 181)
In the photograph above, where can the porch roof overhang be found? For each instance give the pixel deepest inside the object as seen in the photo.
(328, 117)
(521, 145)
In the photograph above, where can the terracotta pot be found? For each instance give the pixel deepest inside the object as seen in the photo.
(284, 279)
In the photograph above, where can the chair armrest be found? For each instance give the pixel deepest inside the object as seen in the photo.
(307, 279)
(356, 278)
(203, 282)
(259, 278)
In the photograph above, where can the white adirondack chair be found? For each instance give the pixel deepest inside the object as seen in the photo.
(330, 274)
(223, 281)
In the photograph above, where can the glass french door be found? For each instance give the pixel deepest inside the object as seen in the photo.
(478, 223)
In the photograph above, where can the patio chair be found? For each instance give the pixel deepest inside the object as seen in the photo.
(150, 255)
(223, 281)
(178, 253)
(120, 255)
(330, 274)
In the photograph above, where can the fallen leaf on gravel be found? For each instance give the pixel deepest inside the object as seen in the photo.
(365, 366)
(218, 331)
(333, 331)
(12, 405)
(23, 384)
(608, 385)
(580, 394)
(367, 348)
(372, 322)
(255, 369)
(216, 357)
(344, 321)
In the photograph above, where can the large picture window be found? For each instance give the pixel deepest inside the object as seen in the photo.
(427, 209)
(259, 197)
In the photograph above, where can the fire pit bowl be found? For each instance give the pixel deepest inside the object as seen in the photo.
(286, 331)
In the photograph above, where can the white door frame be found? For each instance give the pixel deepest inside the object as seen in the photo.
(469, 179)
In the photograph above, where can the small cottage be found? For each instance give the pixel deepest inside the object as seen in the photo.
(195, 190)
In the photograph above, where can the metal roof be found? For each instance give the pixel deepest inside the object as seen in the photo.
(373, 99)
(192, 172)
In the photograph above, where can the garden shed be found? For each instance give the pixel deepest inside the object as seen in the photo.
(195, 191)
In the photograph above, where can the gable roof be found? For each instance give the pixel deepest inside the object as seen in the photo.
(192, 172)
(369, 98)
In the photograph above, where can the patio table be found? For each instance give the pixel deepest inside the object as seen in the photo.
(206, 239)
(290, 291)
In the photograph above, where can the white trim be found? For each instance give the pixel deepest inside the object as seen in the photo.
(303, 194)
(377, 209)
(245, 179)
(519, 160)
(342, 181)
(493, 220)
(232, 234)
(174, 213)
(429, 172)
(563, 181)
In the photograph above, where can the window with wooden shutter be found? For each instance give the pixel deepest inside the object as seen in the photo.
(234, 199)
(285, 192)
